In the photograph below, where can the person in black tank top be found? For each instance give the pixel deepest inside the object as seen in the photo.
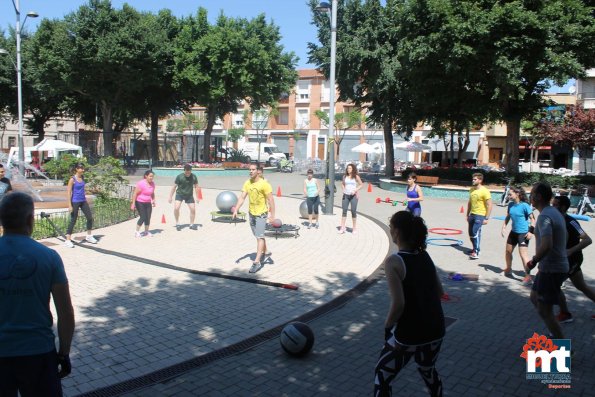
(414, 325)
(577, 241)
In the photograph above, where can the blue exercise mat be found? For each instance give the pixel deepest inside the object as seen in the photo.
(580, 217)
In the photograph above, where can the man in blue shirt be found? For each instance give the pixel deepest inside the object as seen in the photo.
(29, 274)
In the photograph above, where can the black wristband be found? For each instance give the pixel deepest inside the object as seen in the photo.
(531, 229)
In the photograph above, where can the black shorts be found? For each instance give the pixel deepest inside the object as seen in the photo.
(189, 199)
(517, 238)
(548, 286)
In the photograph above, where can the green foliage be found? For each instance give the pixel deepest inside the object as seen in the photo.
(237, 155)
(525, 179)
(63, 167)
(105, 177)
(234, 134)
(235, 59)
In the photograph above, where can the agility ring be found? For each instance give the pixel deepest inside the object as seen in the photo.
(453, 241)
(445, 231)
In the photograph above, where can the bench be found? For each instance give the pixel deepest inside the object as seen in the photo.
(427, 180)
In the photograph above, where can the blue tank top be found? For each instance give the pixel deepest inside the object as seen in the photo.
(311, 188)
(78, 191)
(413, 194)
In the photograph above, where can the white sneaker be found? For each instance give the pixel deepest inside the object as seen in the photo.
(341, 231)
(147, 234)
(138, 234)
(69, 244)
(91, 239)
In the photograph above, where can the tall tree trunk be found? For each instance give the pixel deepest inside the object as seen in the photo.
(513, 132)
(452, 145)
(211, 117)
(154, 138)
(108, 121)
(389, 168)
(463, 145)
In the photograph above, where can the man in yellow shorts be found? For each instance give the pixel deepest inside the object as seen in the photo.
(479, 209)
(261, 208)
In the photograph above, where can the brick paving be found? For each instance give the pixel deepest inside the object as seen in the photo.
(134, 318)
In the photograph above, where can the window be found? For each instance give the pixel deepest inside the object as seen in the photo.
(238, 120)
(12, 141)
(303, 91)
(302, 119)
(325, 94)
(260, 119)
(283, 117)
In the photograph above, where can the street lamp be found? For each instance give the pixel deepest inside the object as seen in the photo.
(329, 203)
(32, 14)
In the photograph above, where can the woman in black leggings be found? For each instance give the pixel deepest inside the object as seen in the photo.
(143, 200)
(415, 305)
(77, 199)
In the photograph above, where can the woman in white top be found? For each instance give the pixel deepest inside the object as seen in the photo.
(312, 193)
(352, 183)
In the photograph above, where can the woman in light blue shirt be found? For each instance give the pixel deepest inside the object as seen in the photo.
(520, 213)
(312, 193)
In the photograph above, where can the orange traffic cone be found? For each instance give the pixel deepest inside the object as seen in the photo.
(163, 218)
(369, 187)
(279, 191)
(199, 194)
(462, 210)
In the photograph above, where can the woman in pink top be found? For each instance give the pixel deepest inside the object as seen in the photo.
(143, 200)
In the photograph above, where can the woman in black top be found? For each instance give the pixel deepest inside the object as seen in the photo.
(414, 324)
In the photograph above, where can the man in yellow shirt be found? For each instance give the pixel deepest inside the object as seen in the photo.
(261, 207)
(479, 209)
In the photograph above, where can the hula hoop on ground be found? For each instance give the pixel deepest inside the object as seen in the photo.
(445, 231)
(432, 241)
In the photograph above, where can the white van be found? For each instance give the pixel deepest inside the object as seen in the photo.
(268, 151)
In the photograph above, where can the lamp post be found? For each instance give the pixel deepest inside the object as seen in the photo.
(17, 10)
(329, 202)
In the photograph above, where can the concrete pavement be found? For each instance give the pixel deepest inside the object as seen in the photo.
(136, 317)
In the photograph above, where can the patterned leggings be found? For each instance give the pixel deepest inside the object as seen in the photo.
(395, 356)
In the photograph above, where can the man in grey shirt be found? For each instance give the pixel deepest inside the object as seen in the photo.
(550, 254)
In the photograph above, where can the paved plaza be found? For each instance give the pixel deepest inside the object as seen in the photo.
(149, 309)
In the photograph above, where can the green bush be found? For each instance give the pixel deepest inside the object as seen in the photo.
(63, 168)
(499, 178)
(237, 155)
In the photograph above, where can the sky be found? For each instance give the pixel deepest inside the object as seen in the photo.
(292, 16)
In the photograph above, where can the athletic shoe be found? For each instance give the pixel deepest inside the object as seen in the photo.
(147, 234)
(341, 231)
(564, 318)
(256, 266)
(316, 225)
(309, 225)
(353, 231)
(507, 273)
(194, 227)
(268, 253)
(473, 255)
(69, 244)
(138, 234)
(91, 239)
(178, 228)
(527, 281)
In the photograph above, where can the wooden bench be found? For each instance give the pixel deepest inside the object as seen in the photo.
(427, 180)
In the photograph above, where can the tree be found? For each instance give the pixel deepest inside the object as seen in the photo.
(106, 51)
(522, 46)
(367, 71)
(218, 66)
(577, 130)
(343, 121)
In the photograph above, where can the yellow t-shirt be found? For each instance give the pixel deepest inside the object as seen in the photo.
(257, 193)
(479, 200)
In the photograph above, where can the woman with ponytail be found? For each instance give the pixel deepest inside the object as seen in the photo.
(414, 325)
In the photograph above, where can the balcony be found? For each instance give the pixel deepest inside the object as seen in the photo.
(587, 99)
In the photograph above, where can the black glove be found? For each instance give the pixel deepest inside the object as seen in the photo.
(64, 365)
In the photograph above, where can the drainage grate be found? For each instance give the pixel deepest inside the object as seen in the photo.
(164, 374)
